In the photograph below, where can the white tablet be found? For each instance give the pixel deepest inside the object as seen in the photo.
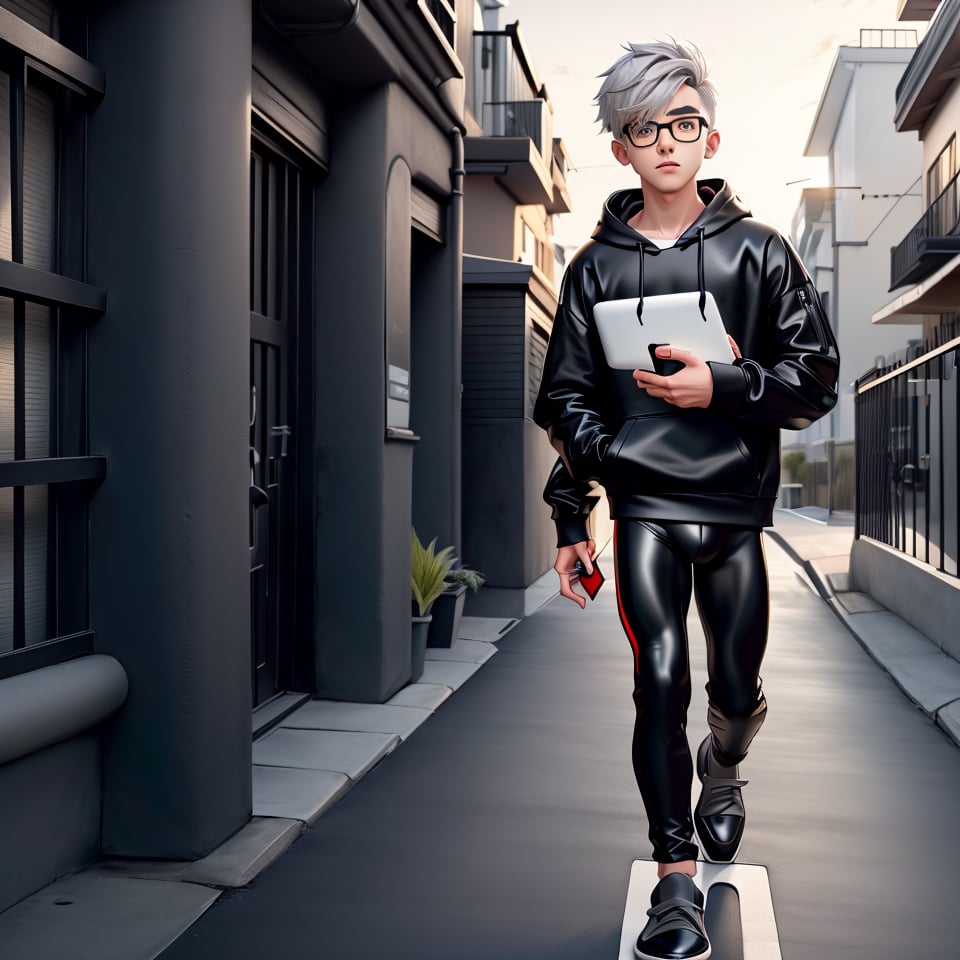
(672, 318)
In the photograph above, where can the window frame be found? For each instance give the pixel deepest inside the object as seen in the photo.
(23, 49)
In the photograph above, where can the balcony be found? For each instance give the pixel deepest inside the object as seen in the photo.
(515, 113)
(507, 96)
(932, 70)
(934, 240)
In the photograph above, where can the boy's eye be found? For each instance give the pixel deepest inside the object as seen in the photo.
(644, 130)
(686, 125)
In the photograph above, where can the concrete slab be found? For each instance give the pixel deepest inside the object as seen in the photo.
(264, 716)
(541, 591)
(854, 602)
(428, 695)
(948, 719)
(490, 629)
(840, 582)
(89, 916)
(296, 793)
(339, 751)
(465, 651)
(757, 921)
(362, 717)
(925, 673)
(451, 673)
(233, 864)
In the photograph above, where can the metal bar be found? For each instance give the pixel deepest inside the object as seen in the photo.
(17, 280)
(28, 473)
(943, 348)
(39, 655)
(943, 498)
(17, 110)
(45, 50)
(926, 472)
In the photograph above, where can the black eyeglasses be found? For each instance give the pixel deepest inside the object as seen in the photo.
(646, 133)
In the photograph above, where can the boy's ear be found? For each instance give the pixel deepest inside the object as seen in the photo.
(620, 152)
(713, 144)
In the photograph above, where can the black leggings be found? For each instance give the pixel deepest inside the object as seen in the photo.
(657, 563)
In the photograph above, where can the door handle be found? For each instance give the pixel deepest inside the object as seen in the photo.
(280, 433)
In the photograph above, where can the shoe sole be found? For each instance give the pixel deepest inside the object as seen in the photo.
(649, 956)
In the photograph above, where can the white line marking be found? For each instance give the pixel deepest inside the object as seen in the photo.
(757, 921)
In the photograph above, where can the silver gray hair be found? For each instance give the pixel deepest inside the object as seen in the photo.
(646, 78)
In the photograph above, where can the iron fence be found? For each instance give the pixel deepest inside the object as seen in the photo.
(908, 435)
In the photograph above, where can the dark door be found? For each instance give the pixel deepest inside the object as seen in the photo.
(275, 306)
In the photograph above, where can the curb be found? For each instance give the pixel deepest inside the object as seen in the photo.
(945, 716)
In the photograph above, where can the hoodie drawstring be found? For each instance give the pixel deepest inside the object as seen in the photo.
(700, 279)
(640, 301)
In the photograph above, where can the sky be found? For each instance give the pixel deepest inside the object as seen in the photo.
(769, 60)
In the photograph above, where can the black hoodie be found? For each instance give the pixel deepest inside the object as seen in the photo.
(655, 460)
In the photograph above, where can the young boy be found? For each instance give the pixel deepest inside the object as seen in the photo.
(689, 461)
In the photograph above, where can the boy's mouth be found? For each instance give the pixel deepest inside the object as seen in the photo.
(667, 163)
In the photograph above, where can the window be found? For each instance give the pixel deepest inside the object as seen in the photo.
(942, 171)
(45, 467)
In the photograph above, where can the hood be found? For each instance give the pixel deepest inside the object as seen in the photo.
(723, 209)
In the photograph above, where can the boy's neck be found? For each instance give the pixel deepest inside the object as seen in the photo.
(667, 215)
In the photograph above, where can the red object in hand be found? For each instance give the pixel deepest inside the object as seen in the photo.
(592, 582)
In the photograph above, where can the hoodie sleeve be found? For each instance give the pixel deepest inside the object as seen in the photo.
(570, 406)
(794, 380)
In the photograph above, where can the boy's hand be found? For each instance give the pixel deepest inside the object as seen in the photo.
(690, 387)
(567, 558)
(680, 389)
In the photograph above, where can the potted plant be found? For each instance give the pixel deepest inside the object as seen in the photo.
(428, 570)
(448, 608)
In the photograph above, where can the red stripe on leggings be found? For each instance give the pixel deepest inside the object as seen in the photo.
(623, 616)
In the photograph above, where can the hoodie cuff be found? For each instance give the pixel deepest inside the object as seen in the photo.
(572, 527)
(729, 387)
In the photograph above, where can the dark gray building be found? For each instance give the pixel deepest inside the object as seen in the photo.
(230, 268)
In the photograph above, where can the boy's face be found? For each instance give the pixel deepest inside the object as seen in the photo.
(668, 164)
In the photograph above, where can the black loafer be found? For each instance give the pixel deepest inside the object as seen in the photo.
(675, 929)
(719, 817)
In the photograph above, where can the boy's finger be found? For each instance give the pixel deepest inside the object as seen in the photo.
(667, 352)
(566, 591)
(583, 553)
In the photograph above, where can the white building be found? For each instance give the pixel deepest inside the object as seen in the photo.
(844, 233)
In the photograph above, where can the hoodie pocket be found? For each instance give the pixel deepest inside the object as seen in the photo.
(697, 452)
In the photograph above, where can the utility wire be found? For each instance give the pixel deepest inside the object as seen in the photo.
(892, 206)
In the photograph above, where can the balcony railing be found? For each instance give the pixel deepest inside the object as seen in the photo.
(506, 95)
(443, 15)
(518, 118)
(883, 37)
(940, 220)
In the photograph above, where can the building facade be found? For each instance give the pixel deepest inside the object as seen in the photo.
(908, 410)
(515, 185)
(230, 382)
(844, 231)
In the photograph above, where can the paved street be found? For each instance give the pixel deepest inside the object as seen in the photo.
(506, 826)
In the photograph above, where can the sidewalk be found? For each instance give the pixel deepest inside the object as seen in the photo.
(928, 676)
(501, 823)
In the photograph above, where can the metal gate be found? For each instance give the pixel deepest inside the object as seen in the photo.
(275, 259)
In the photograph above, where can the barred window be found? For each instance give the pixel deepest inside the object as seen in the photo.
(45, 307)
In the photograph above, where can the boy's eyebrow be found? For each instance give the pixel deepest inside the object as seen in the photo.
(676, 110)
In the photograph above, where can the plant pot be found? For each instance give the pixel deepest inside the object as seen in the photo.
(418, 646)
(447, 610)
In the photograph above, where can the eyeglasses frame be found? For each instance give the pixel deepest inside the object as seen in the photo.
(704, 123)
